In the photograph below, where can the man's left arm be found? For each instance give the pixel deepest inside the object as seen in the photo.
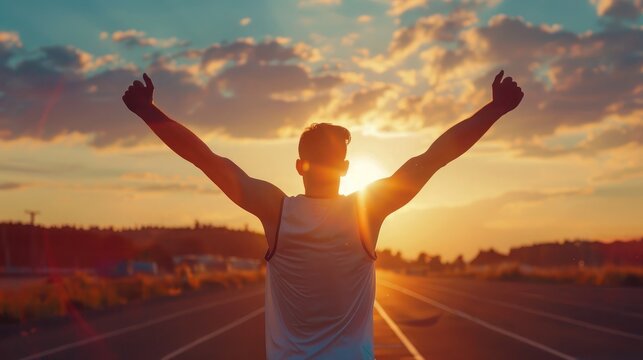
(384, 196)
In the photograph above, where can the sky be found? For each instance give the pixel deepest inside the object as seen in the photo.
(249, 76)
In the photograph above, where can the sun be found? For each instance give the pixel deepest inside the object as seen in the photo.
(361, 172)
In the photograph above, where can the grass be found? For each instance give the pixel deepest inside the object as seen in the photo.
(66, 295)
(609, 275)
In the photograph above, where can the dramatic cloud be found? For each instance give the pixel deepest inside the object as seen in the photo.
(570, 80)
(251, 90)
(256, 100)
(248, 88)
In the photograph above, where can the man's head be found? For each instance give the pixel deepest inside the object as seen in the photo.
(322, 152)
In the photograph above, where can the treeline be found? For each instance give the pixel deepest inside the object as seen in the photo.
(569, 253)
(574, 253)
(28, 246)
(388, 259)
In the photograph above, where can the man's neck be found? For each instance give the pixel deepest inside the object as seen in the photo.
(322, 191)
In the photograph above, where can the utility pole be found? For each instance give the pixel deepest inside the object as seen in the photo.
(33, 253)
(7, 251)
(32, 215)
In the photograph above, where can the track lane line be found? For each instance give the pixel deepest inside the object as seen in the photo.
(138, 326)
(546, 314)
(582, 305)
(474, 319)
(213, 334)
(398, 332)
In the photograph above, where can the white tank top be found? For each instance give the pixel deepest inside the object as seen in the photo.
(320, 283)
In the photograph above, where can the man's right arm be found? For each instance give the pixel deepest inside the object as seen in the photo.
(258, 197)
(389, 194)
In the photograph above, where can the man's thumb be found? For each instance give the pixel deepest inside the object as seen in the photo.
(498, 78)
(148, 81)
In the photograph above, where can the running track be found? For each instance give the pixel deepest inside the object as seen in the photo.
(415, 318)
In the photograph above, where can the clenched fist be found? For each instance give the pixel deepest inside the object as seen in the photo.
(506, 93)
(139, 96)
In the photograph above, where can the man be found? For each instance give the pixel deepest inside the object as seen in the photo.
(320, 281)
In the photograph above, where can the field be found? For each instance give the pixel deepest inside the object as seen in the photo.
(31, 299)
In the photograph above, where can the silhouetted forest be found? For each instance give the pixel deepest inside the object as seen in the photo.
(577, 253)
(23, 245)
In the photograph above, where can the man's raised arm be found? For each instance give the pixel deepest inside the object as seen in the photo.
(256, 196)
(389, 194)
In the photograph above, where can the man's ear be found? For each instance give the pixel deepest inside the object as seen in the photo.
(302, 166)
(344, 168)
(298, 167)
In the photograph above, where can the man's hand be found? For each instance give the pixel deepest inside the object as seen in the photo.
(138, 96)
(506, 93)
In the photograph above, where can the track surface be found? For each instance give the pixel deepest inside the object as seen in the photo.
(415, 318)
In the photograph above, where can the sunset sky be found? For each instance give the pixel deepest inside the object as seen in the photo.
(248, 76)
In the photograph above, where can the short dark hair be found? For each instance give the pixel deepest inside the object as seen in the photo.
(324, 143)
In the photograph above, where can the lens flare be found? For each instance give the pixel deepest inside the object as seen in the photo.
(361, 172)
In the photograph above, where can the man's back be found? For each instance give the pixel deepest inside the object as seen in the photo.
(320, 283)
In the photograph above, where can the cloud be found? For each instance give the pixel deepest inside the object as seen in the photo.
(157, 183)
(349, 39)
(609, 139)
(68, 58)
(408, 77)
(306, 3)
(255, 100)
(399, 7)
(11, 186)
(627, 10)
(361, 102)
(177, 188)
(9, 39)
(244, 51)
(250, 88)
(243, 89)
(35, 168)
(406, 41)
(245, 21)
(364, 19)
(137, 38)
(621, 174)
(570, 80)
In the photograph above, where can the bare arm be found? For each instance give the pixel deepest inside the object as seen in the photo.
(389, 194)
(255, 196)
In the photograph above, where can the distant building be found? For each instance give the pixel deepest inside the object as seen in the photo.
(243, 264)
(200, 263)
(130, 267)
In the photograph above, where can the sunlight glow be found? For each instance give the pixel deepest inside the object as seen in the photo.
(361, 172)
